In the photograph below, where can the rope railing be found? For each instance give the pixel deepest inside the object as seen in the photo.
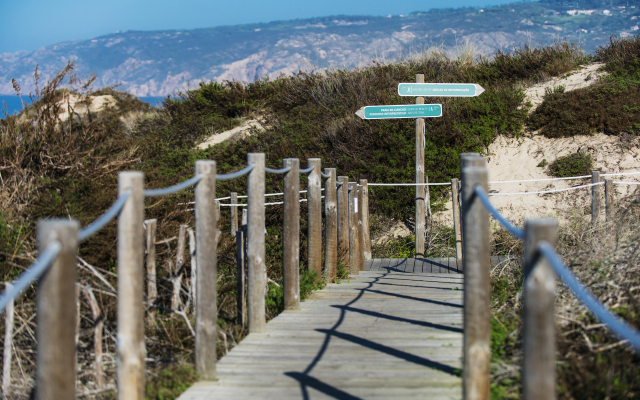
(307, 170)
(234, 175)
(547, 191)
(277, 171)
(615, 324)
(34, 272)
(105, 218)
(172, 189)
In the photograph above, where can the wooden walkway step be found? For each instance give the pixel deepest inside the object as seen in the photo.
(392, 332)
(446, 265)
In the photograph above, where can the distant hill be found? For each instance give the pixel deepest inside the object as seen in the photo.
(160, 62)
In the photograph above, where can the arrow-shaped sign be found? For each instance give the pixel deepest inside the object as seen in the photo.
(401, 111)
(440, 89)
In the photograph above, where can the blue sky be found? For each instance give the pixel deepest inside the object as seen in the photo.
(32, 24)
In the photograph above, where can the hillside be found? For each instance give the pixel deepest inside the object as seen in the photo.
(53, 167)
(161, 62)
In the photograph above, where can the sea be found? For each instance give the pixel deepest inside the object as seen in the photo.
(14, 103)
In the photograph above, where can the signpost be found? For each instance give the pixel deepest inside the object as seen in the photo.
(440, 89)
(401, 111)
(420, 111)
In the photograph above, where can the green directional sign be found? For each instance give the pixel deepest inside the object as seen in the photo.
(401, 111)
(440, 89)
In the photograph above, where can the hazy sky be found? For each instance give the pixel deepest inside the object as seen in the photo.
(32, 24)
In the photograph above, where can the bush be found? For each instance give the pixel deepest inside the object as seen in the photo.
(574, 164)
(171, 382)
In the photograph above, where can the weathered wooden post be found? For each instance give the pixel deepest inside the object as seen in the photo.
(608, 198)
(98, 322)
(467, 160)
(427, 197)
(595, 196)
(291, 235)
(152, 288)
(255, 244)
(539, 338)
(343, 216)
(206, 214)
(330, 225)
(420, 189)
(194, 263)
(365, 219)
(234, 212)
(241, 277)
(314, 208)
(360, 211)
(56, 356)
(8, 344)
(353, 229)
(177, 273)
(456, 217)
(130, 344)
(476, 260)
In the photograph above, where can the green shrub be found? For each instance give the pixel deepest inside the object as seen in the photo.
(171, 382)
(574, 164)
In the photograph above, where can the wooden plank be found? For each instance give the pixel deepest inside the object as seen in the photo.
(401, 338)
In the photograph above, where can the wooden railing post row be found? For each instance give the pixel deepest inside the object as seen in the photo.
(234, 212)
(343, 217)
(360, 222)
(206, 214)
(314, 223)
(420, 189)
(595, 197)
(365, 218)
(152, 288)
(476, 261)
(291, 235)
(608, 199)
(56, 347)
(130, 344)
(330, 225)
(538, 362)
(257, 275)
(353, 230)
(457, 228)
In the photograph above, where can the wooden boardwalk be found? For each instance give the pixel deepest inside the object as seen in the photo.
(392, 332)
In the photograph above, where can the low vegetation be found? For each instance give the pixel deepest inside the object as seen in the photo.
(574, 164)
(56, 168)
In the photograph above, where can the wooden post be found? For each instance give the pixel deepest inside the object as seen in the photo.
(78, 309)
(8, 343)
(427, 197)
(365, 219)
(330, 225)
(476, 261)
(56, 348)
(467, 160)
(353, 230)
(539, 337)
(98, 322)
(595, 197)
(343, 217)
(152, 288)
(420, 189)
(291, 235)
(256, 245)
(456, 217)
(361, 229)
(130, 345)
(608, 199)
(241, 278)
(314, 207)
(194, 264)
(177, 273)
(206, 214)
(234, 213)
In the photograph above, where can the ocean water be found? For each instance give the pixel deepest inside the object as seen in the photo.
(14, 103)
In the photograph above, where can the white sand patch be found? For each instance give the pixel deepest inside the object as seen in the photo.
(518, 159)
(244, 130)
(95, 104)
(578, 79)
